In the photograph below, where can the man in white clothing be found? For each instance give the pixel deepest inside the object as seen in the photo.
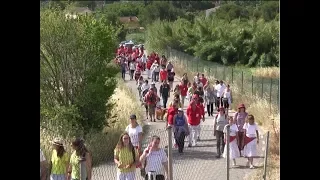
(145, 86)
(220, 89)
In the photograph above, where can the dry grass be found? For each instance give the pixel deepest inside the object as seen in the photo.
(268, 72)
(266, 115)
(101, 144)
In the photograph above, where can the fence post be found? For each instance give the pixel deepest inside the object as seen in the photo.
(270, 93)
(215, 73)
(241, 81)
(83, 168)
(170, 173)
(228, 149)
(262, 87)
(224, 73)
(278, 103)
(232, 75)
(266, 157)
(197, 65)
(252, 84)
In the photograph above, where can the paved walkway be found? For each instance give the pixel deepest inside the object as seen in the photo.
(196, 163)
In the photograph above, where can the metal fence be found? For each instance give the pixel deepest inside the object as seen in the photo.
(266, 88)
(197, 162)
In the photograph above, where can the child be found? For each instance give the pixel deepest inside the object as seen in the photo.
(177, 91)
(251, 139)
(233, 143)
(190, 91)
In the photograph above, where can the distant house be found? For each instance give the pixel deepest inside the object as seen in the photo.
(130, 22)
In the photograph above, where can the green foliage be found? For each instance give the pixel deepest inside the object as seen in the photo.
(247, 42)
(138, 38)
(75, 79)
(124, 8)
(192, 6)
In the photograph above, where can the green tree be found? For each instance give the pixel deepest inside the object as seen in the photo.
(75, 78)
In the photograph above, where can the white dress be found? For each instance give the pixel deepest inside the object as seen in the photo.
(250, 149)
(233, 146)
(227, 94)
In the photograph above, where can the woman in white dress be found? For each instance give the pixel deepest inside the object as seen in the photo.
(135, 132)
(233, 144)
(251, 139)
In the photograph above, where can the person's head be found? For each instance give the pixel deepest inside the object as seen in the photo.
(202, 75)
(155, 142)
(141, 77)
(198, 74)
(169, 62)
(193, 104)
(199, 88)
(189, 84)
(217, 82)
(57, 145)
(250, 119)
(133, 119)
(146, 81)
(230, 120)
(153, 84)
(176, 87)
(163, 56)
(185, 75)
(241, 108)
(180, 112)
(221, 111)
(228, 87)
(151, 90)
(195, 98)
(79, 146)
(124, 141)
(200, 100)
(175, 103)
(221, 82)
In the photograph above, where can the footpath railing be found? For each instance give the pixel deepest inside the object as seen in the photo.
(265, 88)
(198, 162)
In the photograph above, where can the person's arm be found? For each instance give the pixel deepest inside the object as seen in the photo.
(140, 135)
(230, 96)
(89, 165)
(174, 120)
(257, 134)
(116, 158)
(186, 124)
(67, 160)
(214, 126)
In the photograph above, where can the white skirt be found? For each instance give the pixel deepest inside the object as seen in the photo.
(234, 150)
(250, 149)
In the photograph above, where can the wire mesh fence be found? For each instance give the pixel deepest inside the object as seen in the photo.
(266, 88)
(196, 162)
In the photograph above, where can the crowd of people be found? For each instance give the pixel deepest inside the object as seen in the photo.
(200, 95)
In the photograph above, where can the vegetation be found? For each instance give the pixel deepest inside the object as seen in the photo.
(231, 36)
(76, 80)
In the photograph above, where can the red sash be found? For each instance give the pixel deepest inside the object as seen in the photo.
(248, 139)
(231, 139)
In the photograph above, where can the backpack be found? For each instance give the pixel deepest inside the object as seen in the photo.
(152, 99)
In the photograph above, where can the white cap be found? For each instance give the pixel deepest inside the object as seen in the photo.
(180, 109)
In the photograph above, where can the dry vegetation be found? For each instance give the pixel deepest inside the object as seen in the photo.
(101, 144)
(266, 115)
(268, 72)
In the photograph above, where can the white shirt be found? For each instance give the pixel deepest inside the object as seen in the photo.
(155, 67)
(233, 130)
(199, 84)
(226, 94)
(134, 134)
(155, 160)
(144, 59)
(220, 89)
(132, 66)
(144, 87)
(196, 79)
(42, 158)
(250, 129)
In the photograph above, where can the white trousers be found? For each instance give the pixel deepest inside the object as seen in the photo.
(194, 134)
(126, 175)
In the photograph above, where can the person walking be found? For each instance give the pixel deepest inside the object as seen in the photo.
(43, 166)
(233, 142)
(165, 93)
(194, 117)
(181, 129)
(80, 152)
(209, 98)
(183, 92)
(59, 161)
(132, 67)
(126, 157)
(169, 67)
(220, 89)
(227, 97)
(124, 67)
(155, 160)
(171, 75)
(220, 121)
(251, 139)
(240, 119)
(151, 99)
(163, 74)
(135, 132)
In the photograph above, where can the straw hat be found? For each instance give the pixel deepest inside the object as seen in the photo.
(57, 141)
